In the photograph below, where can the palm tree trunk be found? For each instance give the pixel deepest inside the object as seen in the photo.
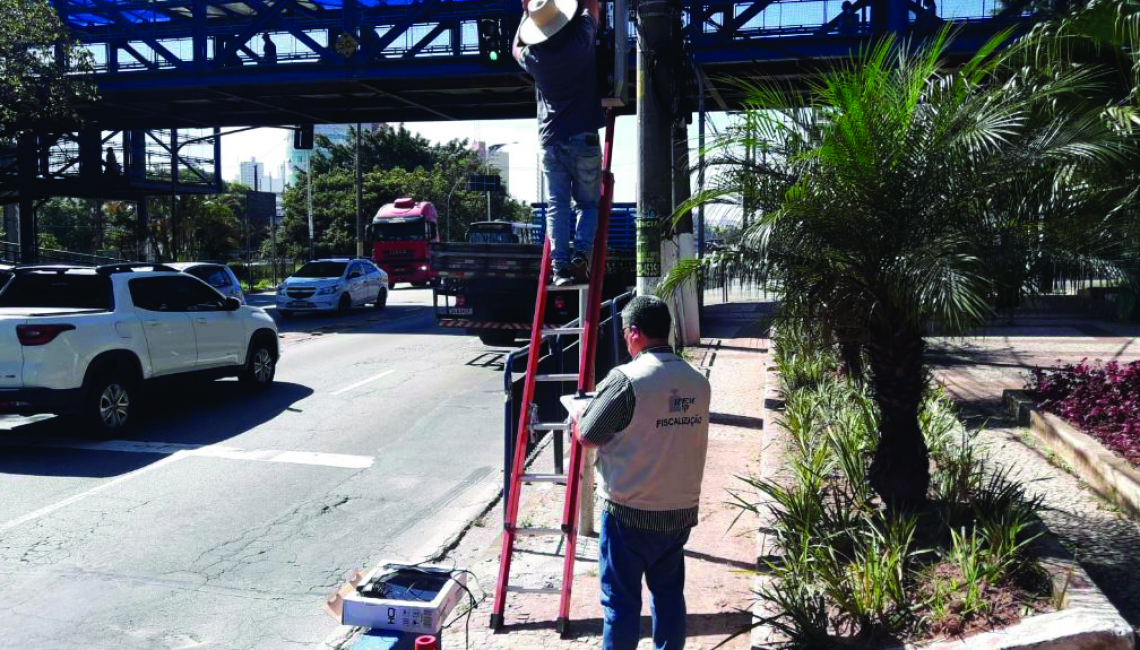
(900, 472)
(851, 356)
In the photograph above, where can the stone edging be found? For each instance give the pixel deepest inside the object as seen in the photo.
(1107, 474)
(763, 636)
(1088, 621)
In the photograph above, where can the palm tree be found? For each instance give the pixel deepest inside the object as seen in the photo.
(893, 201)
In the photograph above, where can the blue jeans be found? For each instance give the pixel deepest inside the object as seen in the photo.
(625, 555)
(573, 170)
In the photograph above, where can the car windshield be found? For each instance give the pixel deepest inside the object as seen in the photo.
(321, 270)
(404, 231)
(57, 290)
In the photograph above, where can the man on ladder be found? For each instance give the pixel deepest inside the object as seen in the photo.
(650, 422)
(555, 43)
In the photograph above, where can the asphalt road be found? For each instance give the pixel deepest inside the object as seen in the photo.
(226, 518)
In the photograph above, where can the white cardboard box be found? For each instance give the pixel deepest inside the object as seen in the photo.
(407, 614)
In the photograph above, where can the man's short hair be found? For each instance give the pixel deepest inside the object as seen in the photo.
(650, 315)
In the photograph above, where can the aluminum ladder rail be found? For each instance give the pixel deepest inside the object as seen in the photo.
(589, 332)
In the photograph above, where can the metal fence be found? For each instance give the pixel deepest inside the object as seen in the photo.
(263, 272)
(10, 254)
(558, 355)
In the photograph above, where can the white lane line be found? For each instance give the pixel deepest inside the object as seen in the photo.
(361, 383)
(344, 461)
(31, 516)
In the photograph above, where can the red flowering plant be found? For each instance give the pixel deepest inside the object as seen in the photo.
(1103, 400)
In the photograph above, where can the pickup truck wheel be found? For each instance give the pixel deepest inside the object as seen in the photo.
(344, 304)
(497, 338)
(110, 406)
(381, 299)
(260, 367)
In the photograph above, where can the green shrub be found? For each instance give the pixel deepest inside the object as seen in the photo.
(848, 571)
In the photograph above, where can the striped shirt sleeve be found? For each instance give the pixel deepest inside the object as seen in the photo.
(610, 411)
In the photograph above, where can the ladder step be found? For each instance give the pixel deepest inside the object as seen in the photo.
(534, 590)
(555, 331)
(568, 287)
(566, 376)
(538, 532)
(551, 426)
(545, 478)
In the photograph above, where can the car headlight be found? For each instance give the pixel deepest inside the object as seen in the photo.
(324, 291)
(280, 289)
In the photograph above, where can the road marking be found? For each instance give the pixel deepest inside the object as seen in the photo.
(361, 383)
(343, 461)
(32, 516)
(178, 452)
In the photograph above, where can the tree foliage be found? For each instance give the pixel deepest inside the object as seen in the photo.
(903, 198)
(39, 86)
(395, 163)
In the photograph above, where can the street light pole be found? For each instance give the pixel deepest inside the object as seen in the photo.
(309, 183)
(359, 199)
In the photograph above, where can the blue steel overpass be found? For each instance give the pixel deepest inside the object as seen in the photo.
(201, 63)
(170, 73)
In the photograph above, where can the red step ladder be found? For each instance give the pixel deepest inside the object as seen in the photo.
(587, 349)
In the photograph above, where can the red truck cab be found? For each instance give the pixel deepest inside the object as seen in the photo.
(402, 234)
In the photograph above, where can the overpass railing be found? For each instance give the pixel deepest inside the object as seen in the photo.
(126, 36)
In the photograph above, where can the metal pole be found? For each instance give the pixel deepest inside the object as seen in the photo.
(588, 489)
(273, 239)
(174, 147)
(653, 127)
(359, 198)
(687, 316)
(309, 183)
(489, 206)
(700, 190)
(248, 233)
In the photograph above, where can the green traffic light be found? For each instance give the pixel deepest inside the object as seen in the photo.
(494, 56)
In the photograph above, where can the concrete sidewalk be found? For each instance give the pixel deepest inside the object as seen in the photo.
(720, 556)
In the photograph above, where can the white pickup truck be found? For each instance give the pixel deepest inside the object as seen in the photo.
(83, 340)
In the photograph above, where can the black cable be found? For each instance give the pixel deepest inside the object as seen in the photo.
(451, 573)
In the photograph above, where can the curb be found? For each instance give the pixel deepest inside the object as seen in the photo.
(762, 635)
(437, 548)
(1088, 621)
(433, 550)
(1109, 475)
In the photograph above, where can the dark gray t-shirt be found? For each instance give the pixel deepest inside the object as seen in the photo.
(564, 70)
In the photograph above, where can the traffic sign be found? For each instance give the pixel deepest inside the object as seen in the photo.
(484, 183)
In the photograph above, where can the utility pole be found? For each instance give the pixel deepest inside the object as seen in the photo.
(653, 127)
(701, 236)
(686, 310)
(309, 184)
(359, 199)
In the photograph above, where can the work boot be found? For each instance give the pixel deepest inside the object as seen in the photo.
(580, 266)
(564, 276)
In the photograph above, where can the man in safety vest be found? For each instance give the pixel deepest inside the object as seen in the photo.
(650, 423)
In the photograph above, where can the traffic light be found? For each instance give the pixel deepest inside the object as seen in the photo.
(303, 137)
(490, 41)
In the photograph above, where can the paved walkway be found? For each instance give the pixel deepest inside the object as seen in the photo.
(719, 556)
(976, 370)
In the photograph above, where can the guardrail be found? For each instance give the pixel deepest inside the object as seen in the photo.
(561, 358)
